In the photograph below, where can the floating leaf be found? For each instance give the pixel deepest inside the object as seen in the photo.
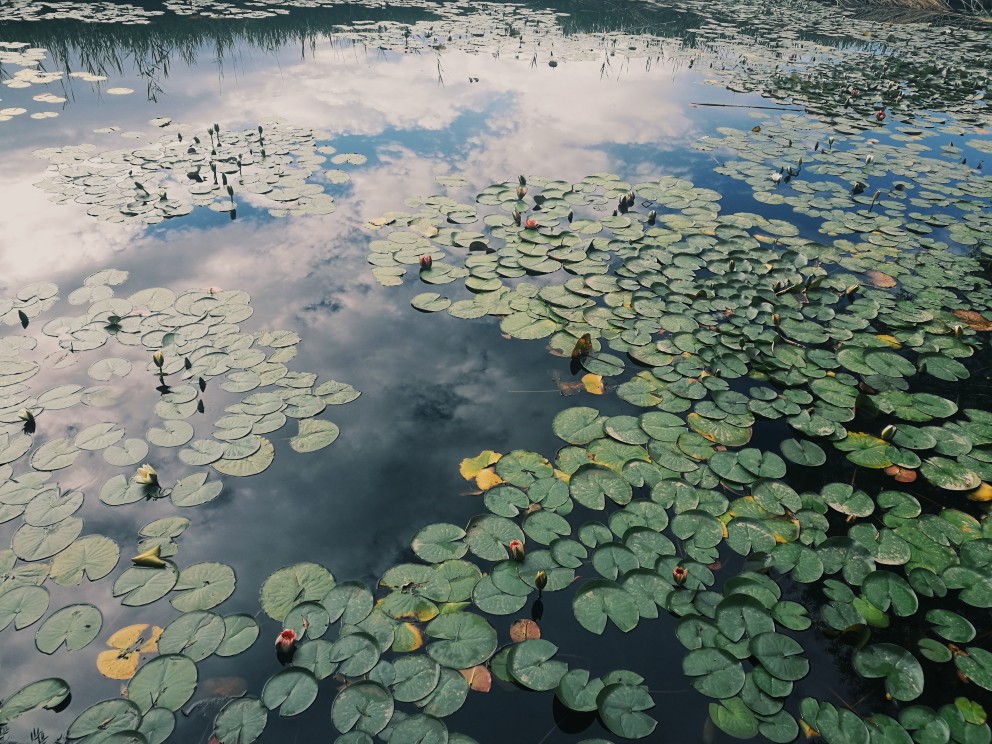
(74, 625)
(166, 681)
(287, 587)
(292, 691)
(363, 706)
(531, 665)
(621, 709)
(314, 434)
(240, 721)
(46, 693)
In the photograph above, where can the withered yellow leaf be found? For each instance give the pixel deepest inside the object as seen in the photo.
(126, 647)
(593, 383)
(471, 466)
(486, 479)
(982, 493)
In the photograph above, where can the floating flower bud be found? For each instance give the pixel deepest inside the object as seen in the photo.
(425, 262)
(521, 180)
(516, 218)
(869, 159)
(851, 290)
(521, 192)
(159, 358)
(540, 580)
(652, 217)
(880, 115)
(530, 224)
(151, 558)
(679, 574)
(516, 550)
(285, 641)
(146, 476)
(888, 432)
(25, 415)
(776, 177)
(776, 320)
(958, 330)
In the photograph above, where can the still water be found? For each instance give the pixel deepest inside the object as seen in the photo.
(340, 114)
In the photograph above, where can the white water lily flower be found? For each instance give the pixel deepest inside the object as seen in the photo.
(776, 177)
(146, 476)
(159, 358)
(25, 415)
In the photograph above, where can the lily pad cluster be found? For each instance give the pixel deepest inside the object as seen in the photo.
(842, 69)
(95, 12)
(276, 166)
(718, 325)
(895, 205)
(181, 343)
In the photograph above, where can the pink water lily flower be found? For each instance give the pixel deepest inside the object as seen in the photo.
(285, 641)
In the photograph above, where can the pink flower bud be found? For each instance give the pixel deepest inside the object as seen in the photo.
(679, 574)
(425, 262)
(516, 550)
(530, 224)
(285, 641)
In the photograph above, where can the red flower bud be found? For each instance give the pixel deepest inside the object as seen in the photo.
(516, 550)
(285, 641)
(679, 574)
(425, 262)
(880, 115)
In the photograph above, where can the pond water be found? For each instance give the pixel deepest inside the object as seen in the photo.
(690, 300)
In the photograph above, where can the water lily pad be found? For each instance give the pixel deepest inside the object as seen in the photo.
(621, 709)
(46, 693)
(531, 664)
(364, 706)
(202, 586)
(166, 681)
(902, 672)
(291, 690)
(240, 721)
(287, 587)
(464, 640)
(314, 434)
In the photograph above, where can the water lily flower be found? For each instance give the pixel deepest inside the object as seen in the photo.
(888, 432)
(146, 476)
(285, 641)
(880, 115)
(521, 192)
(159, 358)
(25, 415)
(530, 224)
(516, 550)
(776, 177)
(540, 580)
(679, 574)
(425, 262)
